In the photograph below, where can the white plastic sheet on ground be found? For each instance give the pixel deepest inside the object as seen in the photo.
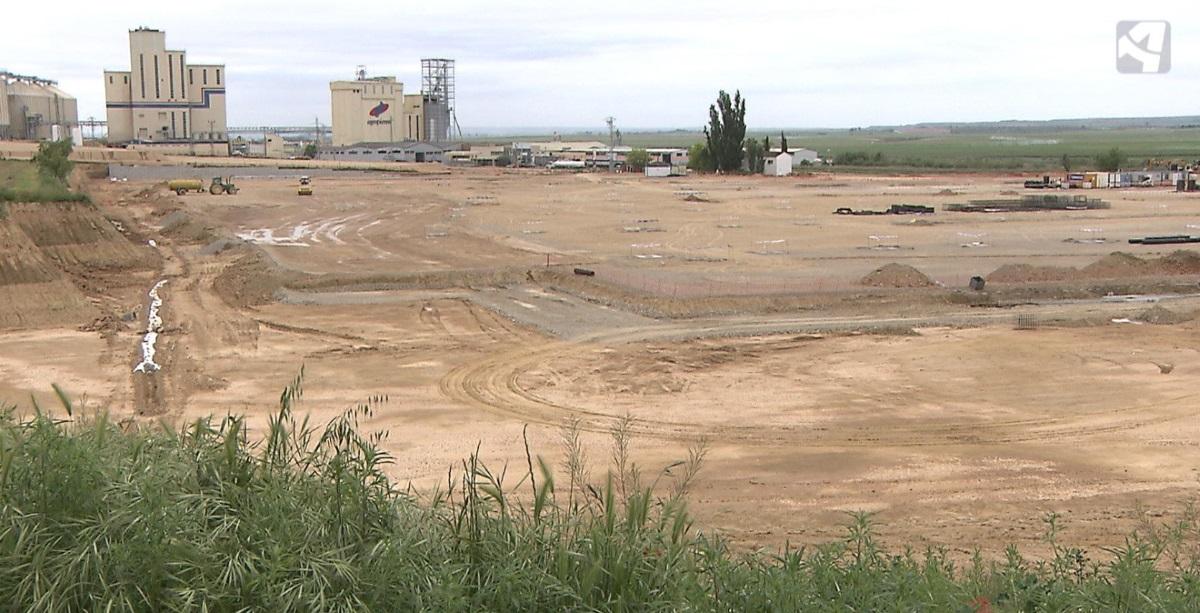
(153, 327)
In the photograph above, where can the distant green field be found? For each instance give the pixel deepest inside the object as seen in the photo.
(975, 150)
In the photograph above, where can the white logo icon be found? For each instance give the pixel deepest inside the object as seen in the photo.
(1143, 47)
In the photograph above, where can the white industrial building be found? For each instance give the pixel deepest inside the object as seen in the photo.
(32, 108)
(165, 102)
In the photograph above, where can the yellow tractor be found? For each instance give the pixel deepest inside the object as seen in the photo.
(222, 186)
(305, 188)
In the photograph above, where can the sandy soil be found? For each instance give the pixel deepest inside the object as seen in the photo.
(958, 429)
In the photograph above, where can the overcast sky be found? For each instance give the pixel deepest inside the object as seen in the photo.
(650, 64)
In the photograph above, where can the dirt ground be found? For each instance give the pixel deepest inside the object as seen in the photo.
(728, 312)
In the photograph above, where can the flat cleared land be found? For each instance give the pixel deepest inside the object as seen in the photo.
(725, 310)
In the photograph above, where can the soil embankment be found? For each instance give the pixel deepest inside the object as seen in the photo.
(47, 251)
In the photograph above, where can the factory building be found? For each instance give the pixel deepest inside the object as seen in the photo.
(367, 110)
(376, 109)
(163, 100)
(35, 109)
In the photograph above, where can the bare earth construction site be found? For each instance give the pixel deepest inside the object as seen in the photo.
(832, 363)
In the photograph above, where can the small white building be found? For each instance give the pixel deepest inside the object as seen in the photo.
(778, 164)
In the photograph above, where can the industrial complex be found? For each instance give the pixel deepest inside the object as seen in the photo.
(32, 108)
(164, 101)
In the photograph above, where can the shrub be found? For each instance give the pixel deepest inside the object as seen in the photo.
(699, 159)
(1111, 160)
(637, 159)
(53, 160)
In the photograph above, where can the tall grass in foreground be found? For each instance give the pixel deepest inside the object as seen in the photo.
(94, 516)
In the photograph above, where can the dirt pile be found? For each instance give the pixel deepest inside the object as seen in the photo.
(897, 275)
(250, 280)
(1116, 265)
(1028, 273)
(1158, 314)
(1181, 262)
(33, 291)
(180, 225)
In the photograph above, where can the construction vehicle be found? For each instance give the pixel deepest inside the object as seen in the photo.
(222, 186)
(305, 188)
(183, 186)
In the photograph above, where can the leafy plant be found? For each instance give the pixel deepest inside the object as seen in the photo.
(53, 160)
(700, 159)
(1111, 160)
(637, 159)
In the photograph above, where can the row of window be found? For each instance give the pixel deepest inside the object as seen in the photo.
(170, 74)
(375, 90)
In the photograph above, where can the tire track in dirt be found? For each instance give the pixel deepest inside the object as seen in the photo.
(493, 384)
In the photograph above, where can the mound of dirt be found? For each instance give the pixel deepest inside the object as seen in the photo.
(1027, 273)
(221, 245)
(1181, 262)
(897, 275)
(1118, 264)
(250, 280)
(1158, 314)
(180, 225)
(946, 192)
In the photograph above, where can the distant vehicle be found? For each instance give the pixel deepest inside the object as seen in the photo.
(305, 188)
(183, 186)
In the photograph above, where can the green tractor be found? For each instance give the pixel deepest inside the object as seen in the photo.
(222, 186)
